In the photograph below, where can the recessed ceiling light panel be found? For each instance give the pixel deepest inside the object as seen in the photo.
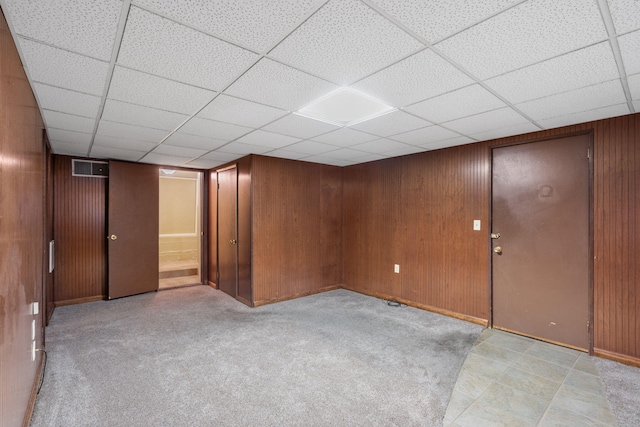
(345, 107)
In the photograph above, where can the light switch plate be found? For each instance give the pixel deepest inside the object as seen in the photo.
(476, 224)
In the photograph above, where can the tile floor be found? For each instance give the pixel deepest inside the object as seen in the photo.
(510, 380)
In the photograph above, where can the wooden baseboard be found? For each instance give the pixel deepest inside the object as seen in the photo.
(617, 357)
(213, 285)
(80, 300)
(34, 391)
(459, 316)
(294, 296)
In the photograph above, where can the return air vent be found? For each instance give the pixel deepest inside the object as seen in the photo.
(90, 168)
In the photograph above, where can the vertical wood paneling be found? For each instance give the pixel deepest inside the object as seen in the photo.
(80, 235)
(296, 228)
(22, 160)
(212, 221)
(48, 233)
(245, 231)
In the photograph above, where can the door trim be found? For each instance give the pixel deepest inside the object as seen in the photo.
(590, 296)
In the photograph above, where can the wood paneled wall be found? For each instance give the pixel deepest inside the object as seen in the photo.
(22, 161)
(80, 235)
(245, 231)
(212, 223)
(296, 228)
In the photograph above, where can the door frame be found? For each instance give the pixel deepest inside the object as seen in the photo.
(237, 269)
(590, 296)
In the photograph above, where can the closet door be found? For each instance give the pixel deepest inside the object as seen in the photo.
(228, 231)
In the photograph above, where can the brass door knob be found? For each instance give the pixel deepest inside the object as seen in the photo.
(232, 241)
(497, 250)
(113, 237)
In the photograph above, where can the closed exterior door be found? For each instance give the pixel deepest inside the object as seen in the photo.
(540, 264)
(228, 231)
(133, 229)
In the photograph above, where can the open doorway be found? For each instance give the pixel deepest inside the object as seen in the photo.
(180, 228)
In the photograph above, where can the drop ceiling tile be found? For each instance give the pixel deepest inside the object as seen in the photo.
(125, 131)
(435, 20)
(625, 14)
(634, 86)
(157, 45)
(581, 68)
(64, 121)
(391, 124)
(212, 129)
(346, 154)
(180, 139)
(69, 148)
(240, 112)
(345, 137)
(349, 40)
(308, 148)
(123, 144)
(528, 33)
(151, 91)
(69, 136)
(454, 105)
(268, 139)
(243, 149)
(369, 157)
(574, 101)
(67, 101)
(507, 131)
(286, 154)
(288, 88)
(636, 106)
(380, 146)
(299, 126)
(328, 161)
(496, 119)
(56, 67)
(256, 25)
(586, 116)
(165, 160)
(122, 112)
(203, 164)
(425, 135)
(220, 156)
(404, 150)
(103, 152)
(86, 27)
(452, 142)
(171, 150)
(414, 79)
(629, 48)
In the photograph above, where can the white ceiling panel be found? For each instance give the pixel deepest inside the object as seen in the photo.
(435, 20)
(67, 101)
(159, 46)
(307, 148)
(268, 139)
(126, 131)
(528, 33)
(220, 156)
(496, 119)
(634, 86)
(630, 50)
(64, 121)
(575, 101)
(103, 152)
(414, 79)
(463, 102)
(300, 127)
(172, 150)
(425, 135)
(577, 69)
(122, 112)
(286, 154)
(165, 160)
(403, 150)
(243, 149)
(328, 160)
(349, 40)
(345, 137)
(391, 124)
(213, 129)
(58, 67)
(586, 116)
(70, 136)
(151, 91)
(240, 112)
(256, 25)
(69, 148)
(203, 163)
(122, 144)
(354, 155)
(379, 146)
(287, 88)
(87, 27)
(506, 131)
(180, 139)
(625, 14)
(453, 142)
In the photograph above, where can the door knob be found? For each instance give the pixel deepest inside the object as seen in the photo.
(497, 250)
(113, 237)
(232, 241)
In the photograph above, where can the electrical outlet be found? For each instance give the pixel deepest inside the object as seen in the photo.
(476, 224)
(396, 268)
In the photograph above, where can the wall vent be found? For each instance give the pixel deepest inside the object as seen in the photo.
(89, 168)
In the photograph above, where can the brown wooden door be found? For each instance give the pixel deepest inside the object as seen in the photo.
(132, 229)
(228, 231)
(540, 207)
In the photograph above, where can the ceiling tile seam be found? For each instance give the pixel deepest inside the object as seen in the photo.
(67, 130)
(65, 88)
(67, 113)
(605, 12)
(435, 124)
(309, 73)
(44, 43)
(117, 42)
(164, 78)
(146, 107)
